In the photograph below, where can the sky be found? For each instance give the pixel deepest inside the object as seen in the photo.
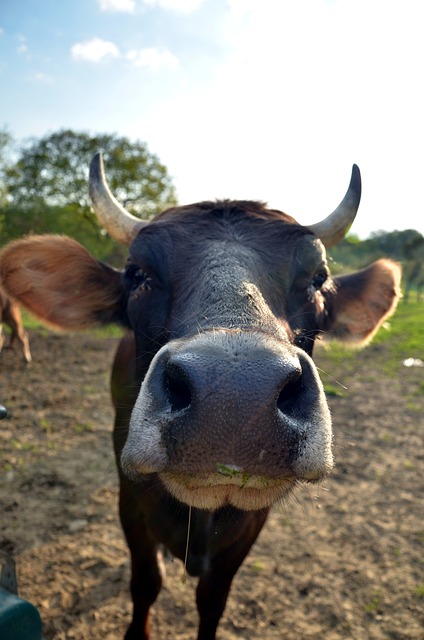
(271, 100)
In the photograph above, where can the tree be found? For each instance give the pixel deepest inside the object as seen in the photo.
(413, 267)
(47, 187)
(53, 170)
(6, 143)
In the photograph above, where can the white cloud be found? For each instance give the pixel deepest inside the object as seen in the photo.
(22, 48)
(115, 6)
(180, 6)
(153, 59)
(42, 77)
(94, 50)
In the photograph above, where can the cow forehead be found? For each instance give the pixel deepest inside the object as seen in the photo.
(225, 210)
(186, 234)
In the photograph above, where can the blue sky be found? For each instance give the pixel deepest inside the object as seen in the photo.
(266, 99)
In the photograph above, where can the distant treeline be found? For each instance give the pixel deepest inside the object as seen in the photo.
(44, 189)
(407, 247)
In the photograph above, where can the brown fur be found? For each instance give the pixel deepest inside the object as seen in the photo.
(365, 300)
(39, 269)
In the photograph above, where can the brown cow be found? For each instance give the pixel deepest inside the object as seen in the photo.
(220, 411)
(10, 314)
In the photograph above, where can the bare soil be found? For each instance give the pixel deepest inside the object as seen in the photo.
(340, 561)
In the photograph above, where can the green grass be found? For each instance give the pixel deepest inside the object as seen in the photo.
(109, 331)
(24, 446)
(333, 390)
(83, 427)
(373, 605)
(420, 389)
(258, 566)
(419, 590)
(405, 338)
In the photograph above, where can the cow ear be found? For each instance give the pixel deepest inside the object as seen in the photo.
(58, 281)
(362, 301)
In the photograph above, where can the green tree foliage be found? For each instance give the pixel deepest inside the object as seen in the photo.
(6, 145)
(413, 270)
(53, 170)
(47, 187)
(353, 253)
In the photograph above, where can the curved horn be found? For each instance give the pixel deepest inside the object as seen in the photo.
(334, 228)
(121, 225)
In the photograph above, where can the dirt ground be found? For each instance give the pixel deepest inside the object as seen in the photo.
(341, 561)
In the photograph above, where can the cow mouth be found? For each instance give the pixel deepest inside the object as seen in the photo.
(214, 490)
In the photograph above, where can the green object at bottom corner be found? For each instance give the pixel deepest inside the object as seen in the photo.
(19, 619)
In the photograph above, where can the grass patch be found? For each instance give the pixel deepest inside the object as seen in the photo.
(373, 605)
(414, 407)
(419, 590)
(24, 446)
(334, 390)
(258, 566)
(46, 426)
(408, 464)
(83, 427)
(419, 391)
(387, 437)
(31, 322)
(405, 338)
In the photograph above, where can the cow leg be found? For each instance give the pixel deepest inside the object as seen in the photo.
(146, 582)
(146, 575)
(18, 332)
(22, 337)
(214, 585)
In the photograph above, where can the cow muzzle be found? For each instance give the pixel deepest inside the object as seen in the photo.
(230, 417)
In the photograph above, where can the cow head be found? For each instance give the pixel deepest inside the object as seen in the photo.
(225, 300)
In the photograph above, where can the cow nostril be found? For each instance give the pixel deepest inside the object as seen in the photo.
(177, 390)
(289, 394)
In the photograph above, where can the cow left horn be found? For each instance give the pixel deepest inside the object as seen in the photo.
(121, 225)
(334, 228)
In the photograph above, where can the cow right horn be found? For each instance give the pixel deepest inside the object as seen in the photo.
(121, 225)
(335, 226)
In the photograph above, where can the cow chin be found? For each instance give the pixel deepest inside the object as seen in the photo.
(212, 490)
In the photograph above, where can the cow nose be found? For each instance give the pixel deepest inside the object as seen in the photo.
(289, 388)
(216, 377)
(224, 397)
(178, 385)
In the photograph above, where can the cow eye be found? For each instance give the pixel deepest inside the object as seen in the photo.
(319, 279)
(138, 278)
(305, 340)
